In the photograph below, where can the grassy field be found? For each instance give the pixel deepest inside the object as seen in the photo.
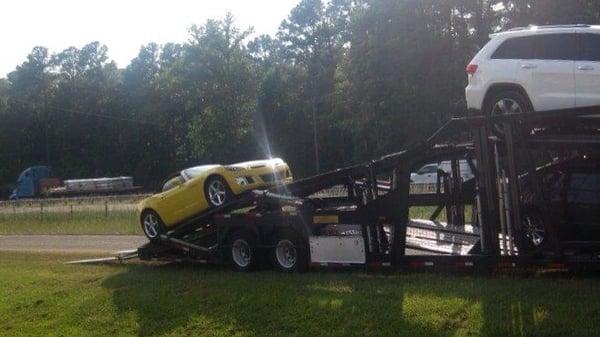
(98, 222)
(81, 222)
(40, 296)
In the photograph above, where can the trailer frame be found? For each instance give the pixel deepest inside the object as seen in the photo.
(498, 153)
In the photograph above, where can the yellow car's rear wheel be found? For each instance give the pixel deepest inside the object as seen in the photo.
(217, 191)
(152, 225)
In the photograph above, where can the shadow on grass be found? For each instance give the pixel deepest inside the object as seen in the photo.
(191, 300)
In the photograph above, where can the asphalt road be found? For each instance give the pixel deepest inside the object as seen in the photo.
(71, 243)
(101, 244)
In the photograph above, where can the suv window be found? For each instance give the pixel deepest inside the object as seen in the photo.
(515, 48)
(428, 169)
(590, 47)
(541, 47)
(555, 47)
(553, 183)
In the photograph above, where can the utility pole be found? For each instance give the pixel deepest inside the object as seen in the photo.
(315, 136)
(46, 126)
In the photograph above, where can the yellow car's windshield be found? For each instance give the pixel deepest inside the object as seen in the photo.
(196, 171)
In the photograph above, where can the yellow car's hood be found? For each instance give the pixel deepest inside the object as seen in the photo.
(254, 164)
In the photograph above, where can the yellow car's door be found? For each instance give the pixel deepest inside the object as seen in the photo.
(195, 201)
(172, 204)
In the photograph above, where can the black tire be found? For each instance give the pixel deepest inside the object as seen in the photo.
(290, 252)
(241, 251)
(212, 199)
(533, 233)
(509, 96)
(511, 99)
(152, 225)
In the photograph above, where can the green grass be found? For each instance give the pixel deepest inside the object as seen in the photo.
(425, 213)
(80, 222)
(40, 296)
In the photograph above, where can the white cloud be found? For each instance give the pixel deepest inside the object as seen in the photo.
(123, 25)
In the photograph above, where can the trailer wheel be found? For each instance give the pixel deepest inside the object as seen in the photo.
(241, 251)
(152, 225)
(290, 252)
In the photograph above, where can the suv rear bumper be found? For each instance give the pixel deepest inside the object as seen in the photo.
(474, 96)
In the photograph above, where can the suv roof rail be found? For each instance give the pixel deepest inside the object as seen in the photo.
(549, 26)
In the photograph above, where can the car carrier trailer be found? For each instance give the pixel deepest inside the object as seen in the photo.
(292, 227)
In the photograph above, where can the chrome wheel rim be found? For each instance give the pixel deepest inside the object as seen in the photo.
(534, 232)
(286, 254)
(217, 192)
(241, 253)
(151, 225)
(506, 105)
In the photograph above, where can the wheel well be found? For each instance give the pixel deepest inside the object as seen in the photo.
(499, 87)
(233, 230)
(276, 232)
(146, 210)
(213, 175)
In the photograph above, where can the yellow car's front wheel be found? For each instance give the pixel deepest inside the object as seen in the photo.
(217, 191)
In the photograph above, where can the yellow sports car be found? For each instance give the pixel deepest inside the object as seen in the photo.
(199, 188)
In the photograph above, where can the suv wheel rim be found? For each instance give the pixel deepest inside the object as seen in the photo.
(285, 252)
(506, 105)
(217, 193)
(151, 225)
(240, 252)
(534, 232)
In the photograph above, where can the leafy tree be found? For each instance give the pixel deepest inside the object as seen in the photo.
(349, 79)
(31, 88)
(219, 85)
(543, 12)
(84, 111)
(311, 41)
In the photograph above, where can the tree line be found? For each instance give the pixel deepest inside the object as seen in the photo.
(342, 81)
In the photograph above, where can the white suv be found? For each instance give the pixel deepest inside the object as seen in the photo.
(536, 69)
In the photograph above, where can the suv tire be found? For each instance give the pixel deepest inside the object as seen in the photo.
(507, 101)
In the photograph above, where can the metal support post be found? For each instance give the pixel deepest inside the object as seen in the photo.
(486, 196)
(513, 181)
(398, 216)
(502, 211)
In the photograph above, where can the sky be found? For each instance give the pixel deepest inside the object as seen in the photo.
(122, 25)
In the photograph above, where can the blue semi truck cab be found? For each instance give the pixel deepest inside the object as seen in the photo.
(28, 183)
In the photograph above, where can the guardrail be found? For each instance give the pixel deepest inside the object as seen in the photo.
(87, 200)
(106, 205)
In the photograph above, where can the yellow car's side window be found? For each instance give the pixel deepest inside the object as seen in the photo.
(173, 182)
